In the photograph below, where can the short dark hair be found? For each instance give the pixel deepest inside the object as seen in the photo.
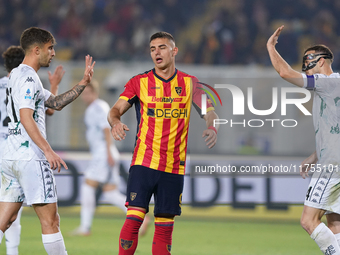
(320, 48)
(162, 35)
(13, 57)
(35, 35)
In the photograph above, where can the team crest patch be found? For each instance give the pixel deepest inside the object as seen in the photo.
(125, 244)
(168, 247)
(133, 195)
(178, 90)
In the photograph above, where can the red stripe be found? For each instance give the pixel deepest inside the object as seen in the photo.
(164, 144)
(151, 85)
(149, 140)
(181, 83)
(176, 155)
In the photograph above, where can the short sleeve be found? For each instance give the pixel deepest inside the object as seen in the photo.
(197, 92)
(129, 94)
(308, 81)
(47, 94)
(27, 93)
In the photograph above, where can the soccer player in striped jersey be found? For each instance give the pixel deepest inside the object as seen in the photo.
(323, 193)
(163, 98)
(28, 159)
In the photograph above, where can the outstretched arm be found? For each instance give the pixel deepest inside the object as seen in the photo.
(280, 65)
(60, 101)
(210, 131)
(117, 127)
(55, 79)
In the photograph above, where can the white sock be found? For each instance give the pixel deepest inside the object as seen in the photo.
(54, 244)
(1, 235)
(337, 236)
(88, 206)
(12, 235)
(116, 198)
(325, 239)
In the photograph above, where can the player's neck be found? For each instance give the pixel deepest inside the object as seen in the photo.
(32, 63)
(165, 73)
(327, 70)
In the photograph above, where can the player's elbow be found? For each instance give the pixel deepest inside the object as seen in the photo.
(284, 74)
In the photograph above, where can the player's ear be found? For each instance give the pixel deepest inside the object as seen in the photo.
(175, 51)
(321, 62)
(36, 50)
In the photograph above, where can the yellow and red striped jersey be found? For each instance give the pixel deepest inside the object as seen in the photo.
(163, 111)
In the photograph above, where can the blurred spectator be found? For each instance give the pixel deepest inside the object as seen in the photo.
(235, 33)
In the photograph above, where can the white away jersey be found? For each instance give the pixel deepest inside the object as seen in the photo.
(3, 111)
(25, 91)
(326, 116)
(95, 121)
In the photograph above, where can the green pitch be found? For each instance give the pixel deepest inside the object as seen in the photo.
(192, 236)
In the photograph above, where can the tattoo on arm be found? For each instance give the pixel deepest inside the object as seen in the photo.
(60, 101)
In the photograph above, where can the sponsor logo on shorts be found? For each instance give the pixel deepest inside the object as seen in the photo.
(133, 195)
(126, 244)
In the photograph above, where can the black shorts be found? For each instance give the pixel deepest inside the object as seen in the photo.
(167, 189)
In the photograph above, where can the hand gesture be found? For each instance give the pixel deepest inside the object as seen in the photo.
(211, 137)
(54, 160)
(88, 74)
(307, 164)
(118, 131)
(272, 41)
(55, 78)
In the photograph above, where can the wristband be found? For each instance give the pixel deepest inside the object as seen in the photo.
(213, 128)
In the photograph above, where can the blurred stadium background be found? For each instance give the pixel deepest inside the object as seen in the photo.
(220, 42)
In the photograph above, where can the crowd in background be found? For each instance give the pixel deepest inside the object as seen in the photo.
(233, 32)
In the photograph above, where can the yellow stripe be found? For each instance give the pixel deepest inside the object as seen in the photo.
(137, 213)
(159, 219)
(188, 86)
(173, 129)
(156, 145)
(144, 127)
(124, 98)
(210, 109)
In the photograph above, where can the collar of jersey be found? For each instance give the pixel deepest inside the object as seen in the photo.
(161, 78)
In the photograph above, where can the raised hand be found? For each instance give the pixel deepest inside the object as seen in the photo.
(272, 41)
(56, 77)
(88, 74)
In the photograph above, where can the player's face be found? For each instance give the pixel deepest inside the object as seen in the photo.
(313, 70)
(46, 54)
(163, 52)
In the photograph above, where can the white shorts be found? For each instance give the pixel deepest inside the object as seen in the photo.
(100, 171)
(31, 180)
(324, 191)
